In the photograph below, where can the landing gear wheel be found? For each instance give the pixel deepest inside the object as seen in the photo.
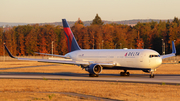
(127, 73)
(93, 75)
(124, 74)
(152, 76)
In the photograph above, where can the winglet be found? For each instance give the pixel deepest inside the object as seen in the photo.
(8, 51)
(173, 48)
(171, 54)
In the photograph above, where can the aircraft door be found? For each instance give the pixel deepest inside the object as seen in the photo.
(141, 57)
(140, 60)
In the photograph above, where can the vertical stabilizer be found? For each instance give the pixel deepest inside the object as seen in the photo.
(70, 39)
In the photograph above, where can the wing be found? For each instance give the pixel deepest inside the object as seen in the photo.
(172, 54)
(64, 61)
(47, 60)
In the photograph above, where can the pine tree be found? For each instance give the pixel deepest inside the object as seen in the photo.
(97, 21)
(79, 22)
(176, 20)
(1, 41)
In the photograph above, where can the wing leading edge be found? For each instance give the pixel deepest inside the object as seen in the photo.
(172, 54)
(62, 56)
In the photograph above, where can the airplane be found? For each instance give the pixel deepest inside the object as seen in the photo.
(95, 60)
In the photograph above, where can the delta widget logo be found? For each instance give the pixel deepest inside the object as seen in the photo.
(132, 54)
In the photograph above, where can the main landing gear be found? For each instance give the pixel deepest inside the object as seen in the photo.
(93, 75)
(125, 73)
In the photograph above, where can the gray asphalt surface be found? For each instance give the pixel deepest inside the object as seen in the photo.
(133, 78)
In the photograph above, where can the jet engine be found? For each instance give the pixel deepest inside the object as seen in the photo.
(95, 69)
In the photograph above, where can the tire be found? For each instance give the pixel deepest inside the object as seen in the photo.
(152, 76)
(122, 74)
(127, 73)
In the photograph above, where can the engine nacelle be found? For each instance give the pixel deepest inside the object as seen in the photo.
(95, 69)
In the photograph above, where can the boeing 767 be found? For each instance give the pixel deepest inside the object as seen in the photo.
(95, 60)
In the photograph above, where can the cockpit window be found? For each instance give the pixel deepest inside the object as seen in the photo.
(150, 56)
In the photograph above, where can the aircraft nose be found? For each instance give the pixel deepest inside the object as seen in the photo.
(158, 61)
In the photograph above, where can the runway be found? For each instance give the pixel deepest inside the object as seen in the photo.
(133, 78)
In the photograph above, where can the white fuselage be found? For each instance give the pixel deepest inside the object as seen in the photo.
(133, 58)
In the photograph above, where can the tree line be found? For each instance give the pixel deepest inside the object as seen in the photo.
(27, 39)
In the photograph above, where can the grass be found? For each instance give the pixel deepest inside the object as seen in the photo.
(163, 83)
(51, 96)
(61, 79)
(32, 96)
(120, 91)
(45, 79)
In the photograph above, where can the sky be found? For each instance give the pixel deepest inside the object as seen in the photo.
(41, 11)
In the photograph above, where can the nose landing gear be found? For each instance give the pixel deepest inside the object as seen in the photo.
(152, 75)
